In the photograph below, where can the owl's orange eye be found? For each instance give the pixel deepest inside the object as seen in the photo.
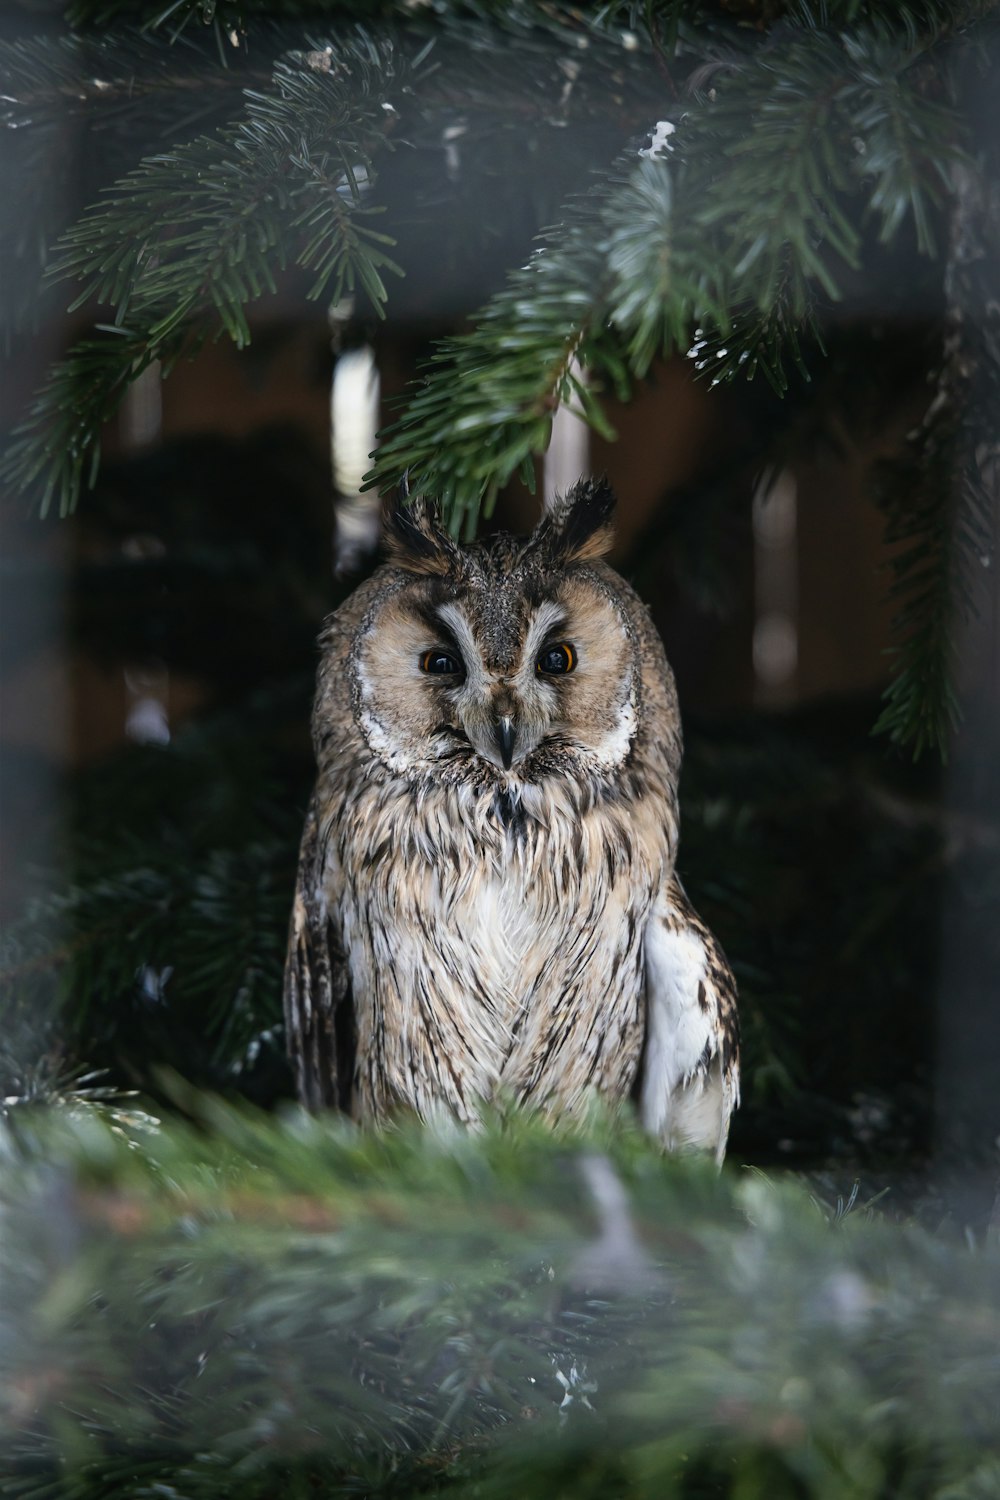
(440, 663)
(554, 661)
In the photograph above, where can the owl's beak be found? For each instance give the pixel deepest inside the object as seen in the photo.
(505, 737)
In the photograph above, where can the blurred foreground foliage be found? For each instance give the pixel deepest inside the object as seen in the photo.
(244, 1307)
(290, 1304)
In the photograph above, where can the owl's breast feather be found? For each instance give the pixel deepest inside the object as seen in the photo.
(501, 962)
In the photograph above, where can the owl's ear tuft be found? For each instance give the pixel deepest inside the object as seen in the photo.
(578, 526)
(415, 538)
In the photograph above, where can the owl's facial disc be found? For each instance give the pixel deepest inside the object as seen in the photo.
(495, 679)
(500, 702)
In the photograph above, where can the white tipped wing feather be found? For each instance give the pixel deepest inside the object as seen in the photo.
(690, 1081)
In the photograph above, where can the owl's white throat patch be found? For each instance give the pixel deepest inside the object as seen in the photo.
(613, 749)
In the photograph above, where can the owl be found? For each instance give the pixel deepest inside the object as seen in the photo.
(487, 907)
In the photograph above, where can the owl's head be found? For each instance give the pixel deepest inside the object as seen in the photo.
(504, 661)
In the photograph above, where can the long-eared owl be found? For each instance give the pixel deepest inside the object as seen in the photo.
(486, 905)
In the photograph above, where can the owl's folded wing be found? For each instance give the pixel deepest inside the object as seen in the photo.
(690, 1080)
(318, 1019)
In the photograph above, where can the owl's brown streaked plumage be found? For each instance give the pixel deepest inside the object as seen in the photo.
(486, 901)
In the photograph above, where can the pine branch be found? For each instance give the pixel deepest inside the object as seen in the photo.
(114, 97)
(906, 140)
(73, 75)
(726, 246)
(921, 709)
(210, 222)
(190, 237)
(296, 1305)
(45, 1083)
(726, 240)
(55, 452)
(482, 416)
(229, 19)
(912, 18)
(942, 500)
(130, 92)
(781, 157)
(749, 218)
(664, 18)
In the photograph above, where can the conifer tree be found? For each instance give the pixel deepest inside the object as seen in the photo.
(752, 167)
(788, 145)
(254, 1305)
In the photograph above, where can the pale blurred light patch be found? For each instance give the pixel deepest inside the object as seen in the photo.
(146, 688)
(775, 650)
(355, 397)
(775, 505)
(567, 457)
(141, 421)
(354, 408)
(776, 587)
(147, 683)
